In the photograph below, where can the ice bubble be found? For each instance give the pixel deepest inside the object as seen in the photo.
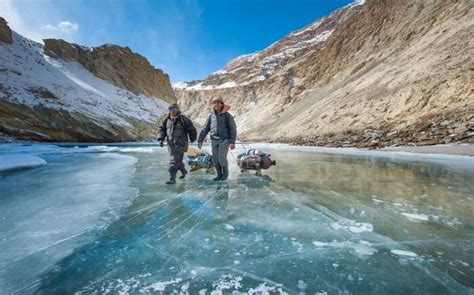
(416, 217)
(229, 227)
(301, 285)
(404, 253)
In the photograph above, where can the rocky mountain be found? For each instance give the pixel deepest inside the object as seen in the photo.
(118, 65)
(371, 74)
(66, 92)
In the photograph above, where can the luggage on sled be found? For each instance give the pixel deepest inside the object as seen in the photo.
(198, 159)
(254, 160)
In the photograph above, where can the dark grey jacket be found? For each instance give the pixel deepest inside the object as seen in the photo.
(221, 126)
(177, 132)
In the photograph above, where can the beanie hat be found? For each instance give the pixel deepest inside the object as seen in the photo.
(173, 107)
(217, 98)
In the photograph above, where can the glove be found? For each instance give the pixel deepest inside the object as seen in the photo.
(199, 145)
(161, 143)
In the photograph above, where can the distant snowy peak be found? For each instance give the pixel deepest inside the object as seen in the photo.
(256, 67)
(180, 85)
(200, 86)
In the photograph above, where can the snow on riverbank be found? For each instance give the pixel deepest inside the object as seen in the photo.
(45, 149)
(15, 162)
(445, 149)
(462, 162)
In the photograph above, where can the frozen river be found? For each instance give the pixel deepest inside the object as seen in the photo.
(99, 219)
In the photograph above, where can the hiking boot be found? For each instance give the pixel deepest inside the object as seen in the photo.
(225, 173)
(183, 173)
(219, 173)
(172, 178)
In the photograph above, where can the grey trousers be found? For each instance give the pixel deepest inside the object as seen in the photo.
(176, 160)
(220, 148)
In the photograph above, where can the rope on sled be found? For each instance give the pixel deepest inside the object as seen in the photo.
(242, 143)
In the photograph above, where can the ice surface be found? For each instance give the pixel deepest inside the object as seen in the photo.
(15, 162)
(46, 213)
(99, 219)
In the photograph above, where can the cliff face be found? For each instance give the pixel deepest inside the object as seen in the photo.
(118, 65)
(5, 32)
(370, 74)
(65, 92)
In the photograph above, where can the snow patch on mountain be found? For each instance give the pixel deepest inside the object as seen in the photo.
(306, 29)
(200, 86)
(29, 77)
(260, 65)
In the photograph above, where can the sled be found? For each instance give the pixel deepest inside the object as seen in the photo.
(254, 160)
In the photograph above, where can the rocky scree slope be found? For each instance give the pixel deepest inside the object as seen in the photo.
(371, 74)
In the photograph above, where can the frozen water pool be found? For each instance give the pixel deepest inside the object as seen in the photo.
(98, 219)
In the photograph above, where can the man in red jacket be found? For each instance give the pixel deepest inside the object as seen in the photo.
(223, 131)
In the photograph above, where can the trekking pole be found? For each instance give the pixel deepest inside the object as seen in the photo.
(242, 143)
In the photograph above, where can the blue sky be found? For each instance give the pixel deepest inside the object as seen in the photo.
(188, 39)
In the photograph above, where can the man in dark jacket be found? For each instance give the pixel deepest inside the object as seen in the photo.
(221, 125)
(176, 128)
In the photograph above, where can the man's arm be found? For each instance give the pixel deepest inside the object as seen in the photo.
(205, 130)
(162, 130)
(232, 128)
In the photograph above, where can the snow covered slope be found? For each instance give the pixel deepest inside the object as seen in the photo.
(53, 99)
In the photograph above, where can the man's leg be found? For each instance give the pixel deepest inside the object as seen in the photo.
(215, 159)
(176, 161)
(180, 164)
(222, 155)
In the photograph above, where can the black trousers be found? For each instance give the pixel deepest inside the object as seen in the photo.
(176, 160)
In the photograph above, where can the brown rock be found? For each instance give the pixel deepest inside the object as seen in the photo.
(42, 92)
(5, 32)
(118, 65)
(366, 75)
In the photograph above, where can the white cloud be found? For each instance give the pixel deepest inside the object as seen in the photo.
(62, 27)
(27, 18)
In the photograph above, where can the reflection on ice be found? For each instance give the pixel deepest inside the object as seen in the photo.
(315, 223)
